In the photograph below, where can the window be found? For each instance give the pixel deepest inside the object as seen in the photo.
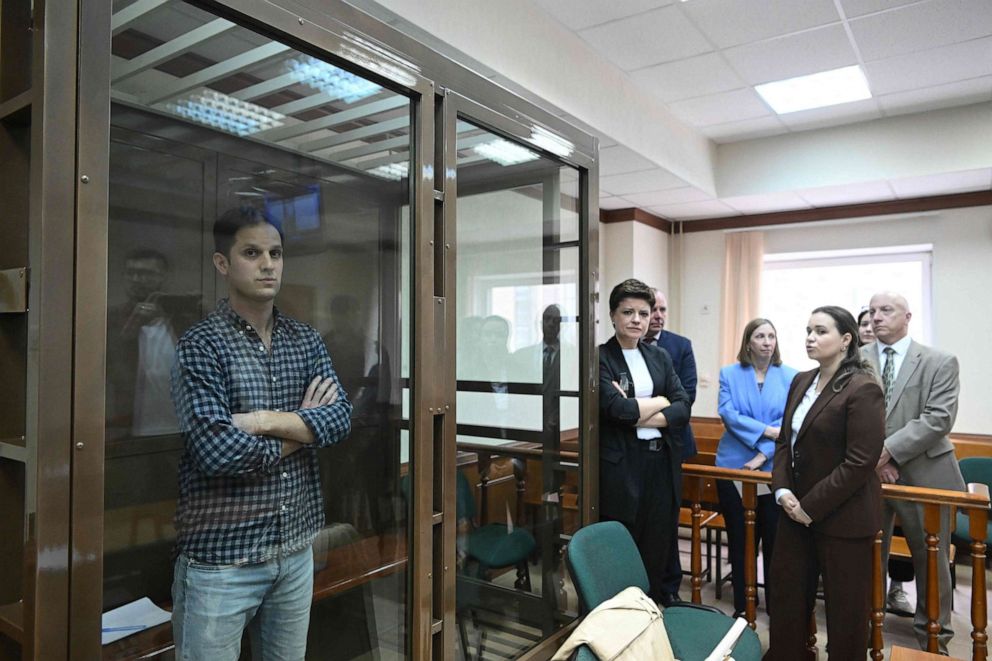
(793, 284)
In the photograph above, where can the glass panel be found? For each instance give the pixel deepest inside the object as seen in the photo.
(517, 400)
(209, 118)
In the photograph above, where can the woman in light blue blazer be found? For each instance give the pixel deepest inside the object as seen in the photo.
(752, 400)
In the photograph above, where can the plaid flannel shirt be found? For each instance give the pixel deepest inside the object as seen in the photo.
(239, 501)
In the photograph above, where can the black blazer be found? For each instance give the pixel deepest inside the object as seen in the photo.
(831, 468)
(620, 480)
(684, 360)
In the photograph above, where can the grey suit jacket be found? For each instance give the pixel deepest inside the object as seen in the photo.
(920, 415)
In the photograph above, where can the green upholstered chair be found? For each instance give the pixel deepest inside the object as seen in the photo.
(603, 560)
(492, 546)
(974, 470)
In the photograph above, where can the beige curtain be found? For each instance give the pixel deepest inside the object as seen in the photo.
(741, 289)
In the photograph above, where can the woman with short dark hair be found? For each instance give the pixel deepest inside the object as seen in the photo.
(825, 481)
(751, 403)
(640, 402)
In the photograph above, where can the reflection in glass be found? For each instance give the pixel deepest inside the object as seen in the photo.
(232, 120)
(517, 400)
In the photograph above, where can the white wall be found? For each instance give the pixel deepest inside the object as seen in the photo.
(702, 273)
(629, 250)
(962, 281)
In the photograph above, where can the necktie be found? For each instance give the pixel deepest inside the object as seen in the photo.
(888, 373)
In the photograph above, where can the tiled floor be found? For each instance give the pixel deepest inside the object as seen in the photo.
(896, 630)
(507, 641)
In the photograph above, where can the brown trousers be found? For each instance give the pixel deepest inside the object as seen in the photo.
(801, 556)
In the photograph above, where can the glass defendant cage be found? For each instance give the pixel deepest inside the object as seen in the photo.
(440, 234)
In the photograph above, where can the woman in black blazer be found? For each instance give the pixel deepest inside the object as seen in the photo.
(640, 402)
(824, 480)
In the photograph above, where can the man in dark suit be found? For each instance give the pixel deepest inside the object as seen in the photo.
(680, 350)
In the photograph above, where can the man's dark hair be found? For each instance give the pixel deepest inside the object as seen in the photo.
(632, 288)
(232, 221)
(142, 254)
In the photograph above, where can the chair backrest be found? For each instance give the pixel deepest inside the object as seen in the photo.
(603, 560)
(977, 469)
(464, 501)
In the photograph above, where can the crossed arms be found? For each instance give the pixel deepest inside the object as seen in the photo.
(222, 443)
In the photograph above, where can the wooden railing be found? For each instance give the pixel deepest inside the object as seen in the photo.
(975, 502)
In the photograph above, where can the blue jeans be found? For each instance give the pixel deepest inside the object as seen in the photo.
(213, 604)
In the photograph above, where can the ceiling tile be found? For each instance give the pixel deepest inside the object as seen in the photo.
(733, 22)
(762, 127)
(674, 196)
(809, 52)
(695, 76)
(639, 41)
(854, 8)
(924, 25)
(640, 182)
(766, 203)
(964, 92)
(854, 193)
(720, 108)
(619, 159)
(691, 210)
(941, 184)
(929, 68)
(579, 14)
(842, 113)
(613, 202)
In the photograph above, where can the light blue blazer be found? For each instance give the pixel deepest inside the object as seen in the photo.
(746, 411)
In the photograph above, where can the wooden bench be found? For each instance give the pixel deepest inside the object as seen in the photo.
(346, 567)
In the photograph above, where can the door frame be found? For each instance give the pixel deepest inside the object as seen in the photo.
(63, 596)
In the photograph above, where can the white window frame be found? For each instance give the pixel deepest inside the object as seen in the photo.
(922, 253)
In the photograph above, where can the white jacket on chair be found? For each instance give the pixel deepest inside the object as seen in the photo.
(627, 627)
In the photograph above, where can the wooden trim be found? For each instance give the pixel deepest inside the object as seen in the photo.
(638, 216)
(916, 204)
(975, 438)
(956, 437)
(891, 491)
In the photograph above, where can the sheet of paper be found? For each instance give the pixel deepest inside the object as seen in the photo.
(132, 618)
(726, 645)
(763, 489)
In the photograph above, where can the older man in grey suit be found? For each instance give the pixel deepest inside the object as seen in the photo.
(921, 402)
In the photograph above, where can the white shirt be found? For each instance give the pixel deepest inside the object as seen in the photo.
(901, 348)
(809, 397)
(643, 386)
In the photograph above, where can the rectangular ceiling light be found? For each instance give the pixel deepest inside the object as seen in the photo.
(226, 113)
(329, 79)
(827, 88)
(504, 152)
(391, 171)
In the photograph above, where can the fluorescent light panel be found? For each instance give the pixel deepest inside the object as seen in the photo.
(329, 79)
(391, 171)
(504, 152)
(818, 90)
(545, 139)
(224, 112)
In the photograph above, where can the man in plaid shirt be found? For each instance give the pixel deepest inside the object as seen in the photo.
(255, 395)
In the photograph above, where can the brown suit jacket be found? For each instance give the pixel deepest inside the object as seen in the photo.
(831, 468)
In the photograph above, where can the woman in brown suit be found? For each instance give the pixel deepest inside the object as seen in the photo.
(824, 479)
